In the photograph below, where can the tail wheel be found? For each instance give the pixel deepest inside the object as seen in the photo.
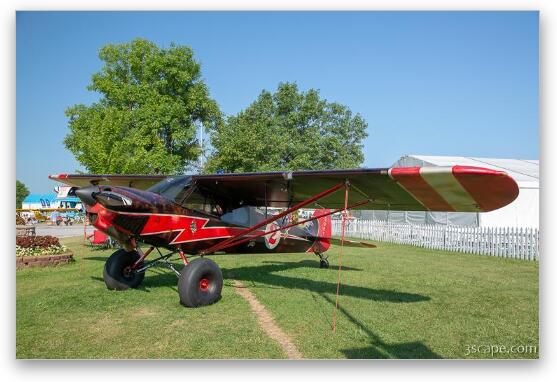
(323, 261)
(200, 283)
(118, 273)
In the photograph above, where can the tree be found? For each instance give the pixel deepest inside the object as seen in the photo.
(152, 103)
(21, 192)
(288, 130)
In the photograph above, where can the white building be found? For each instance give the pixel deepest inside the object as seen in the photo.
(523, 212)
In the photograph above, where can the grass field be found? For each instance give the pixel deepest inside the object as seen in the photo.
(396, 302)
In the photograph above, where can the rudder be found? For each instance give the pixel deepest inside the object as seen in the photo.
(324, 230)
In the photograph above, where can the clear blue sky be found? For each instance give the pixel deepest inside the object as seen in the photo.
(431, 83)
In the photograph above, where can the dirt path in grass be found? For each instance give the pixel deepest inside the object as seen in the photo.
(267, 322)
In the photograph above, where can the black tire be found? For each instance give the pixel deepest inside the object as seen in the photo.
(324, 263)
(200, 283)
(116, 271)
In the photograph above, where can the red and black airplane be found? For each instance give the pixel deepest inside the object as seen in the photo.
(197, 215)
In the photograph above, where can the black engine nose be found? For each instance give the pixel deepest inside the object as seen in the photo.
(86, 194)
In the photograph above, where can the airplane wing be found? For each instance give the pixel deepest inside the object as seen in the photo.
(456, 188)
(141, 182)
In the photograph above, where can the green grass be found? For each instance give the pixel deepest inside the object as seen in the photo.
(396, 302)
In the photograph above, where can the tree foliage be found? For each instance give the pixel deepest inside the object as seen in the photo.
(288, 130)
(21, 192)
(152, 103)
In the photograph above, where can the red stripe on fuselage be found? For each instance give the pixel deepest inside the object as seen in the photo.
(410, 179)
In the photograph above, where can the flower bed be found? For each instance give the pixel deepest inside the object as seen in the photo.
(37, 241)
(40, 251)
(42, 261)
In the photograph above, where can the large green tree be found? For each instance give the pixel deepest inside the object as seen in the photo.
(152, 103)
(288, 130)
(21, 192)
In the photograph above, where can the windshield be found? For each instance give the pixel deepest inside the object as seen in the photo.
(181, 191)
(172, 188)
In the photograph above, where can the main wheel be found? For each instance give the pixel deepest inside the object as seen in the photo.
(323, 263)
(200, 283)
(118, 274)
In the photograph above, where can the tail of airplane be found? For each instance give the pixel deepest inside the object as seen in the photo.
(324, 229)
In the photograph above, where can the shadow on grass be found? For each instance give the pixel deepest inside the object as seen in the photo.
(311, 264)
(380, 349)
(267, 274)
(153, 279)
(95, 258)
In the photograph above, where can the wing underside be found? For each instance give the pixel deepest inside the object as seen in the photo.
(457, 188)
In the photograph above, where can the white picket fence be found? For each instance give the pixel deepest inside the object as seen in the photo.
(511, 242)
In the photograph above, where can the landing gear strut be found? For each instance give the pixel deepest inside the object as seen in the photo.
(323, 261)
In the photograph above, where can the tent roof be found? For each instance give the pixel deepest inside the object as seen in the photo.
(525, 172)
(36, 198)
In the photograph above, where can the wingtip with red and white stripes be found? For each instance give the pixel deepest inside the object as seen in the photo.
(457, 188)
(58, 176)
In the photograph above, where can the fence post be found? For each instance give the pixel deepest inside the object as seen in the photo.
(469, 242)
(488, 239)
(497, 241)
(459, 239)
(503, 241)
(512, 238)
(527, 243)
(482, 240)
(537, 244)
(521, 243)
(477, 240)
(530, 242)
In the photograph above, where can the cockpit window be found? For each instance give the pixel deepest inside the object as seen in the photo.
(181, 191)
(174, 189)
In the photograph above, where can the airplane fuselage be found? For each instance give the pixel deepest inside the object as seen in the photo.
(126, 214)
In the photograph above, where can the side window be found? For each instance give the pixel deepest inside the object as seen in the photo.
(198, 202)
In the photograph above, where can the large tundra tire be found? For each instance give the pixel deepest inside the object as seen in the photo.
(200, 283)
(118, 274)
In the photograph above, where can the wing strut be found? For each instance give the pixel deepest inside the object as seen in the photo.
(234, 240)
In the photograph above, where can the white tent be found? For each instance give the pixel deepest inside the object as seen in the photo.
(523, 212)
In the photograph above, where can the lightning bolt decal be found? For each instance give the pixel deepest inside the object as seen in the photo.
(191, 228)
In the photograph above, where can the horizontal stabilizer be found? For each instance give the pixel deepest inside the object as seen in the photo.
(352, 243)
